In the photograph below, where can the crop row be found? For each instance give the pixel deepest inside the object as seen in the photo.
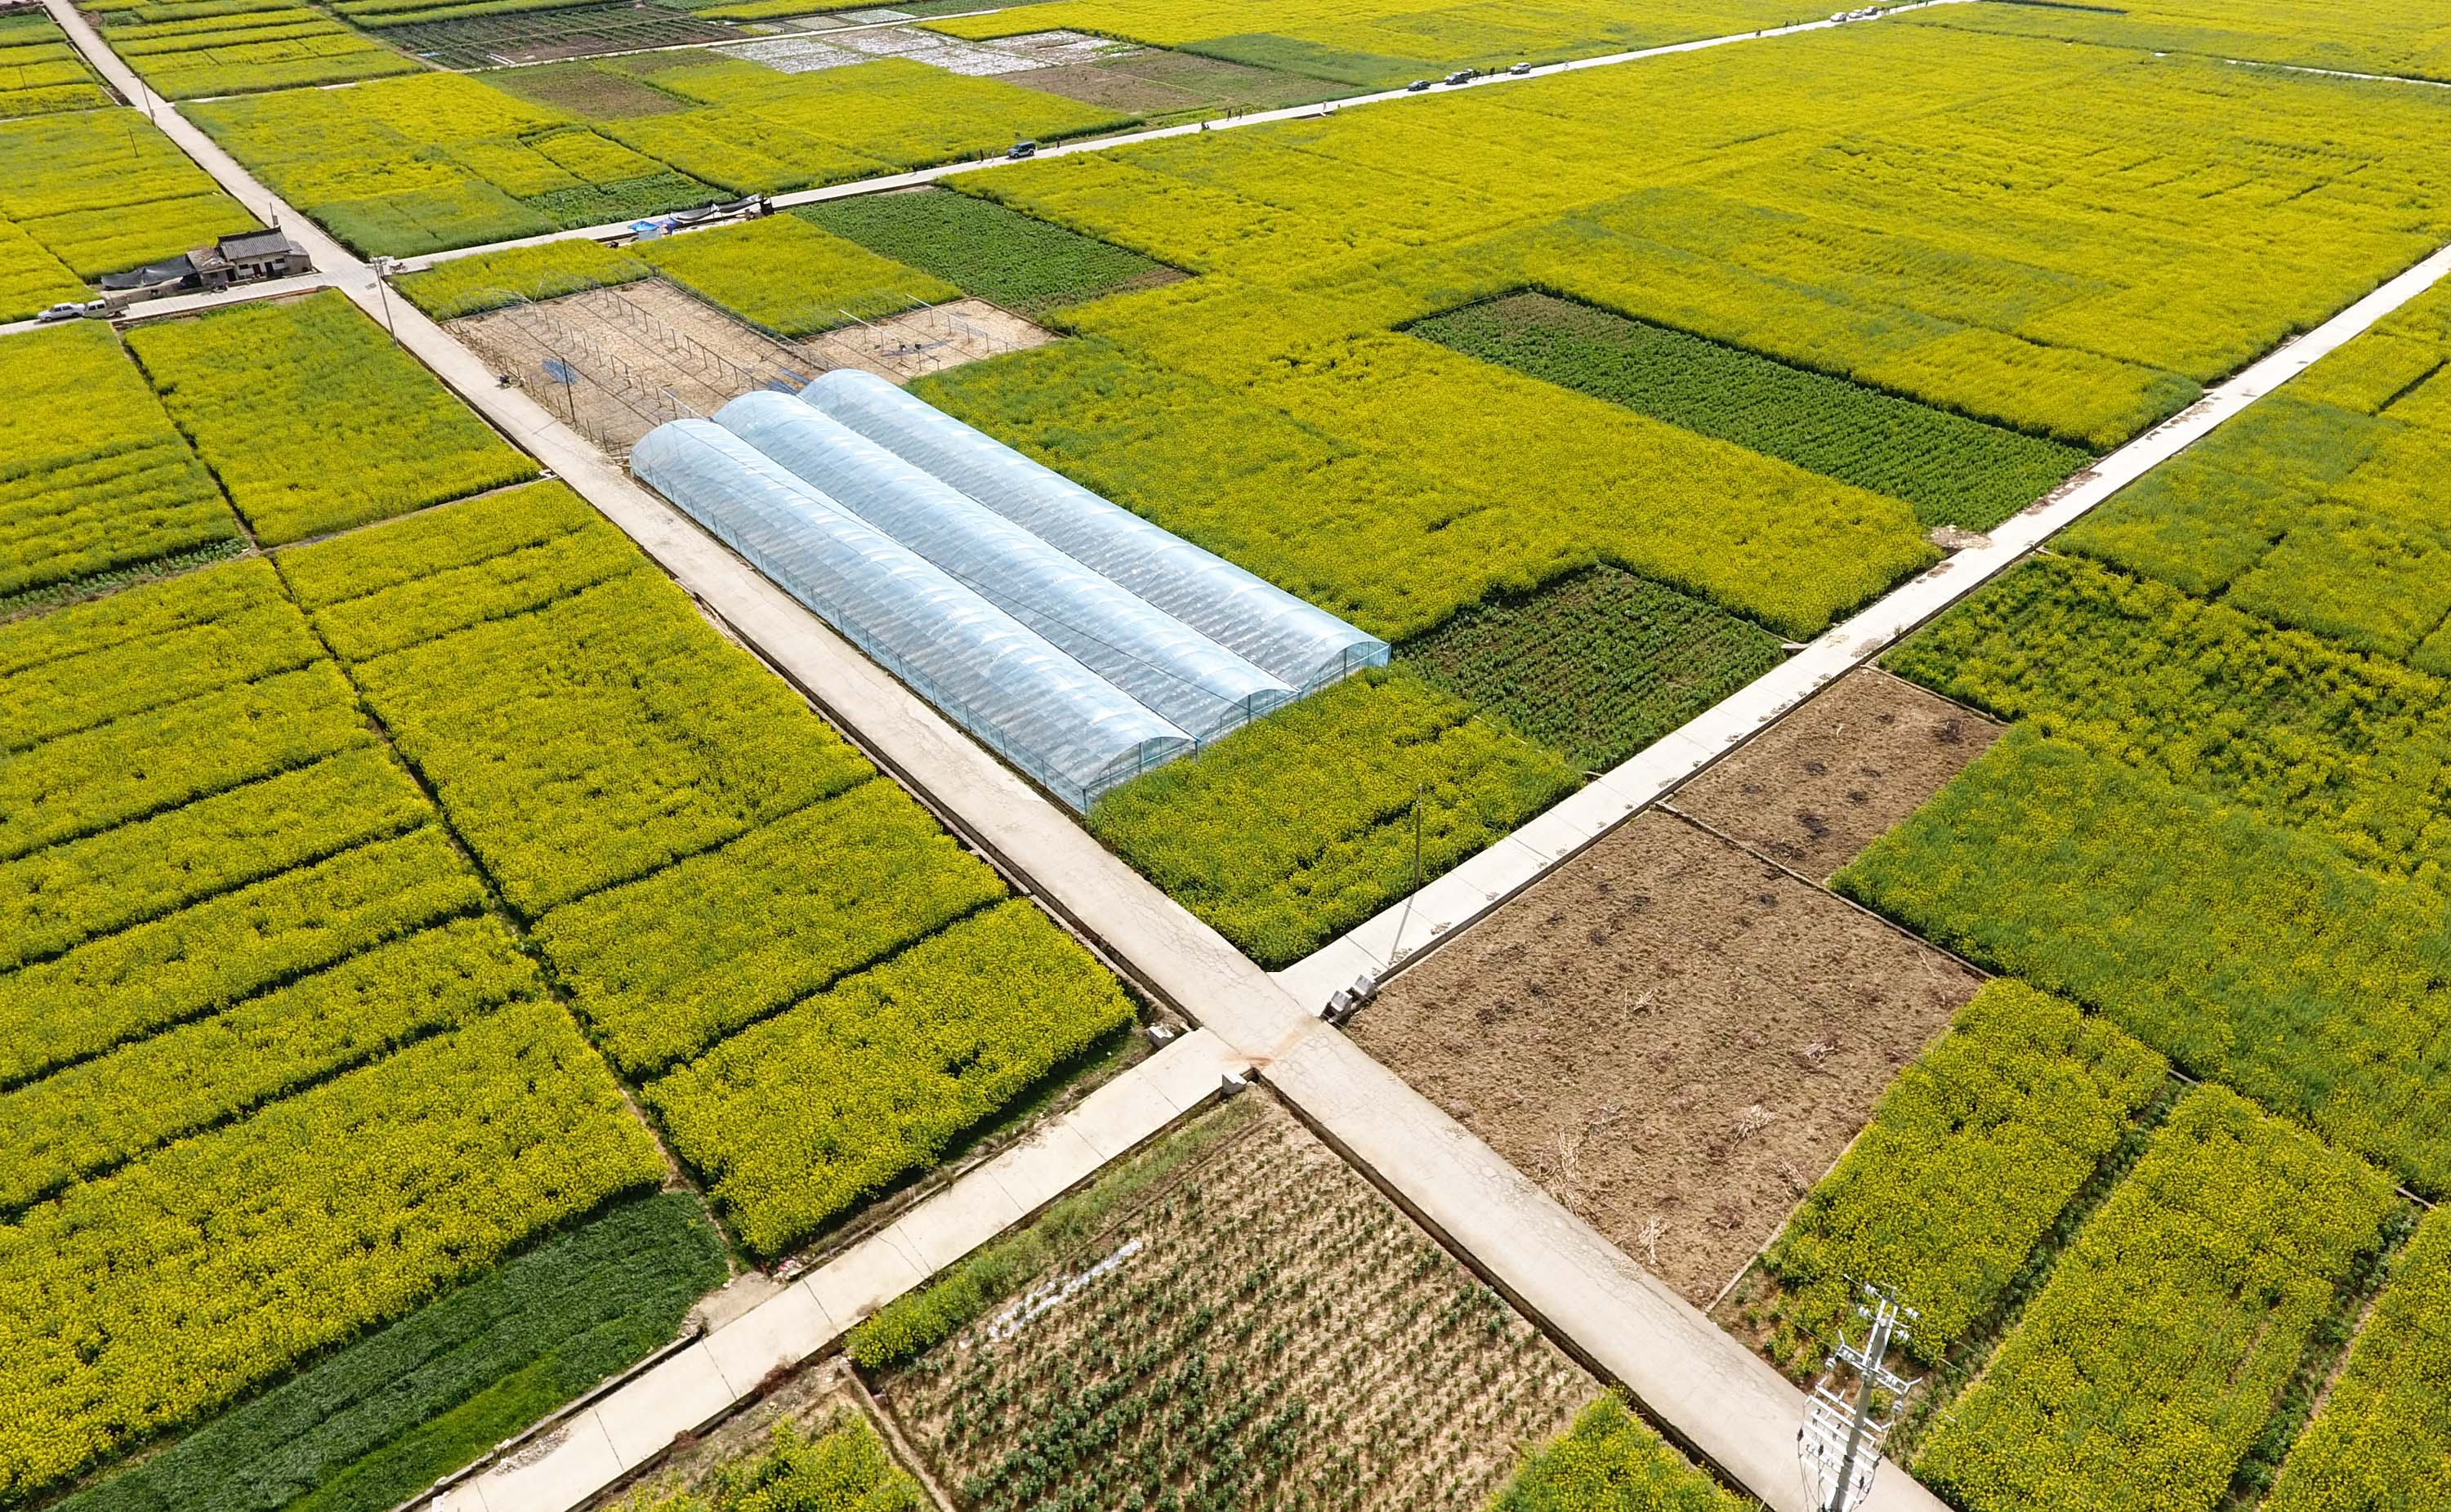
(1971, 1155)
(800, 1118)
(2317, 508)
(274, 46)
(364, 1428)
(1955, 471)
(1302, 825)
(66, 895)
(72, 669)
(314, 421)
(1599, 665)
(2383, 1436)
(2149, 1364)
(2244, 951)
(212, 954)
(99, 1113)
(2311, 735)
(1259, 1331)
(92, 474)
(989, 250)
(138, 1302)
(665, 967)
(148, 764)
(570, 550)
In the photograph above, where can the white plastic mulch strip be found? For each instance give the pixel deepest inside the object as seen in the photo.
(1048, 1295)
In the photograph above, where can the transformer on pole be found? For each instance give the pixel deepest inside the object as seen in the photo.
(1840, 1443)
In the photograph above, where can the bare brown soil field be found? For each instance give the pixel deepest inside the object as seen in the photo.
(647, 352)
(1258, 1313)
(1816, 788)
(1155, 82)
(1673, 1037)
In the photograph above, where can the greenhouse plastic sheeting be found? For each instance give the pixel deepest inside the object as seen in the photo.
(1199, 685)
(1302, 644)
(1051, 717)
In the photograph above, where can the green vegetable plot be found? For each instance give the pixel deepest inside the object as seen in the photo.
(1599, 665)
(997, 253)
(1955, 471)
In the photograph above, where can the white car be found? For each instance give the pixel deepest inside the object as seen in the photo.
(70, 309)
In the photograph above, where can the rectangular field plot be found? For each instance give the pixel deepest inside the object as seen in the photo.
(1859, 228)
(2150, 1363)
(142, 1301)
(2320, 508)
(786, 276)
(2382, 1438)
(377, 1420)
(1826, 780)
(40, 73)
(314, 421)
(1599, 665)
(820, 1109)
(240, 49)
(476, 40)
(1384, 42)
(2312, 737)
(989, 250)
(2365, 36)
(1671, 1036)
(1301, 824)
(1233, 1316)
(101, 191)
(1955, 471)
(2242, 951)
(1973, 1155)
(93, 477)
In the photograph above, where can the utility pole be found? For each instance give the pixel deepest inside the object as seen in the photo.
(1840, 1442)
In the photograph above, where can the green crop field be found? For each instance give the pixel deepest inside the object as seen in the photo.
(989, 249)
(2368, 36)
(1610, 1462)
(785, 275)
(366, 1427)
(1973, 1153)
(268, 45)
(1848, 225)
(1599, 665)
(1955, 471)
(2320, 508)
(1381, 43)
(486, 281)
(314, 421)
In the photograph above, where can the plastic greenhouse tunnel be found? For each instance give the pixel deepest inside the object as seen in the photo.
(1300, 644)
(1064, 725)
(1195, 684)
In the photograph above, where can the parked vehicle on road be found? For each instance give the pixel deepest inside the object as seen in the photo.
(72, 309)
